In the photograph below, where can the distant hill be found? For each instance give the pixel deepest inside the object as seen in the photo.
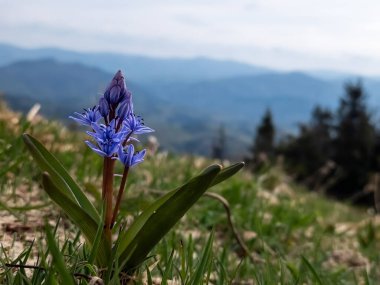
(185, 99)
(64, 88)
(138, 68)
(243, 99)
(53, 81)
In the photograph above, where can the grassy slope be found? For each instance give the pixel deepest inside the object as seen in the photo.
(301, 237)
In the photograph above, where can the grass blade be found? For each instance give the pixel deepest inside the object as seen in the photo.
(312, 270)
(58, 260)
(204, 262)
(98, 238)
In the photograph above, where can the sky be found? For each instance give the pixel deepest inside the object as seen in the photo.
(286, 35)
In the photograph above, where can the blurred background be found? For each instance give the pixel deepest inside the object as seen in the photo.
(294, 82)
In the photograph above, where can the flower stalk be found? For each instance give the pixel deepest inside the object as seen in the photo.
(113, 128)
(119, 195)
(108, 195)
(113, 139)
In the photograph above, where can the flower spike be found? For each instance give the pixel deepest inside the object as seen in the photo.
(119, 125)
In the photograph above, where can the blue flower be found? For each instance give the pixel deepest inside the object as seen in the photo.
(128, 156)
(88, 117)
(116, 91)
(135, 125)
(120, 124)
(107, 139)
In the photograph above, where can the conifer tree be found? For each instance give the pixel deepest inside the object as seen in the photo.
(264, 140)
(309, 151)
(354, 143)
(262, 149)
(218, 149)
(321, 127)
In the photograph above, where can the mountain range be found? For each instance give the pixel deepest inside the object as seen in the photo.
(138, 68)
(185, 100)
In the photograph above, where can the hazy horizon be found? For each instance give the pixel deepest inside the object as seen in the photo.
(324, 35)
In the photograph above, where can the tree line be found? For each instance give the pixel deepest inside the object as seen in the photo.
(337, 152)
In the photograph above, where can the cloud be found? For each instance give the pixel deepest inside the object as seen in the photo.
(308, 34)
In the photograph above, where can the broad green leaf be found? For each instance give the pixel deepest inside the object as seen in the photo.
(127, 237)
(51, 279)
(47, 162)
(130, 234)
(58, 260)
(164, 216)
(81, 219)
(226, 173)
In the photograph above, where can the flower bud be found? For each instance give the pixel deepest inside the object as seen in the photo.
(124, 110)
(116, 90)
(104, 108)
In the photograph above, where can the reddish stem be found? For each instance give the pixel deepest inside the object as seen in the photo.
(120, 195)
(107, 194)
(104, 177)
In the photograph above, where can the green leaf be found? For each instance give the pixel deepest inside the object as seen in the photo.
(227, 173)
(83, 221)
(47, 162)
(161, 216)
(127, 237)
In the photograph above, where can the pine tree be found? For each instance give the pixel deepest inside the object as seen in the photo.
(321, 127)
(308, 152)
(263, 146)
(354, 143)
(264, 140)
(218, 149)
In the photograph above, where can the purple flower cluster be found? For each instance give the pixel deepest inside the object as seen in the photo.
(113, 137)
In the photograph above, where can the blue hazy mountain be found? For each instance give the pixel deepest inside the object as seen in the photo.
(244, 99)
(138, 68)
(187, 107)
(65, 88)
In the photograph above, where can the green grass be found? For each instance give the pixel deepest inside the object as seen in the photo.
(300, 237)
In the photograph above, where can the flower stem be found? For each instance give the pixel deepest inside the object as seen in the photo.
(104, 178)
(120, 195)
(107, 194)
